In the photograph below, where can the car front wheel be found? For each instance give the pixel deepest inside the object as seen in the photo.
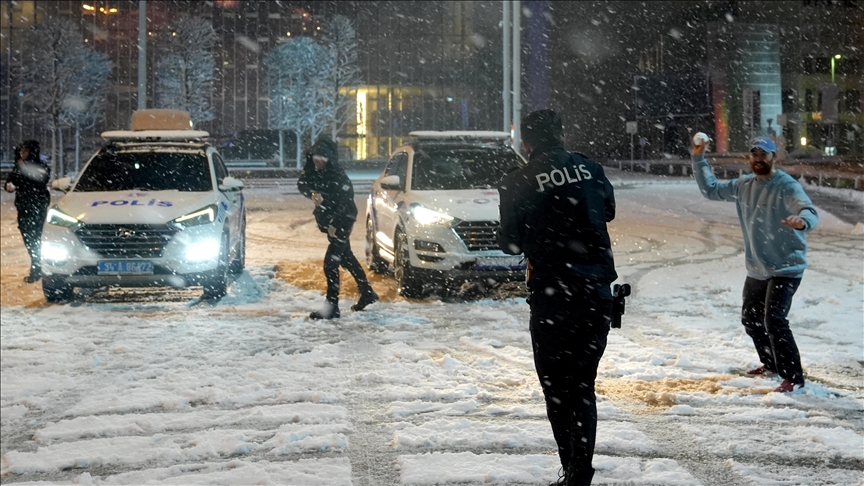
(217, 285)
(56, 290)
(410, 285)
(374, 262)
(239, 263)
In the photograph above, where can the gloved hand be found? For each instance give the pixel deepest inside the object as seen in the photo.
(331, 231)
(317, 198)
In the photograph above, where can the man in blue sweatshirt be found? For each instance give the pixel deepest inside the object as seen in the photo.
(775, 215)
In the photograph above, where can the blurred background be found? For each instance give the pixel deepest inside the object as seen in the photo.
(733, 69)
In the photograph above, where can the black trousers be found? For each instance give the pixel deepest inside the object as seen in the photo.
(569, 326)
(766, 305)
(31, 218)
(339, 254)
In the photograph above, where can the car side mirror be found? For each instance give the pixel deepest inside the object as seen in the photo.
(391, 183)
(62, 184)
(231, 184)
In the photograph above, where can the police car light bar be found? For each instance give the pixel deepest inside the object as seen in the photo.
(155, 135)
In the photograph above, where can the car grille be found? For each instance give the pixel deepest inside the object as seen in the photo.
(478, 235)
(127, 240)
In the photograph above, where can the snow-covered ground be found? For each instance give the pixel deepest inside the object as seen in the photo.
(152, 387)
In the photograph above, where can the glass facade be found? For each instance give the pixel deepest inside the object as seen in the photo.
(444, 75)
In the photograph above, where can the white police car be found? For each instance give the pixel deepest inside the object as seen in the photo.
(151, 208)
(433, 212)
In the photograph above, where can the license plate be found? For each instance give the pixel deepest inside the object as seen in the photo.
(126, 268)
(500, 263)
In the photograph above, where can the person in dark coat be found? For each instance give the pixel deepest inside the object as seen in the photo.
(554, 211)
(324, 181)
(29, 182)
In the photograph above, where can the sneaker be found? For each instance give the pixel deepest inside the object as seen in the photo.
(366, 299)
(760, 371)
(787, 387)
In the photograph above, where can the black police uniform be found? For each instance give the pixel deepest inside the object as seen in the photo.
(31, 201)
(555, 210)
(335, 215)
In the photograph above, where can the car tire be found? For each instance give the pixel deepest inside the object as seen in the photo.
(239, 263)
(374, 262)
(409, 284)
(56, 290)
(216, 286)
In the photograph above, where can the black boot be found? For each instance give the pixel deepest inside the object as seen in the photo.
(329, 311)
(35, 275)
(366, 299)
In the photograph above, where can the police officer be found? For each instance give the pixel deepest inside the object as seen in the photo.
(29, 182)
(554, 211)
(324, 181)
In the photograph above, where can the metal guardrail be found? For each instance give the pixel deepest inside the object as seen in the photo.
(682, 168)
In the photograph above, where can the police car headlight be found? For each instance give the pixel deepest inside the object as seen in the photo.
(203, 250)
(54, 252)
(59, 218)
(204, 215)
(428, 216)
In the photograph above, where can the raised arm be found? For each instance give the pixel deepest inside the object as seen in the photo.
(709, 186)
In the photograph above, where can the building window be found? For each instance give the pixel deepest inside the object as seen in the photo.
(808, 100)
(788, 103)
(852, 101)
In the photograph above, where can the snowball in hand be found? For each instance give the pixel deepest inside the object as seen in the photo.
(700, 139)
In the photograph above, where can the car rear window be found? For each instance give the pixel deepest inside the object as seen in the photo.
(146, 171)
(461, 168)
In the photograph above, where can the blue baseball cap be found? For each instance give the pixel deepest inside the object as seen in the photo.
(764, 143)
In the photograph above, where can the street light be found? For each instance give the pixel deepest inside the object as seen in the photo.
(836, 56)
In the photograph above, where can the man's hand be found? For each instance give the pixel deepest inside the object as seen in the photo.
(10, 187)
(794, 222)
(331, 231)
(702, 140)
(317, 198)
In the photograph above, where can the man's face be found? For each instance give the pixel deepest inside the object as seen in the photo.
(761, 162)
(24, 152)
(319, 161)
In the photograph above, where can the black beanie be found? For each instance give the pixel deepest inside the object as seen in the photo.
(325, 148)
(542, 127)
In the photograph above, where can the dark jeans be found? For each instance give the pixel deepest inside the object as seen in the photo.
(766, 305)
(568, 333)
(339, 254)
(30, 221)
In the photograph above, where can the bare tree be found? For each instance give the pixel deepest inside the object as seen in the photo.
(296, 71)
(341, 39)
(185, 71)
(84, 104)
(52, 72)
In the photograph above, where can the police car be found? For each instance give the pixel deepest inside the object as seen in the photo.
(432, 214)
(154, 207)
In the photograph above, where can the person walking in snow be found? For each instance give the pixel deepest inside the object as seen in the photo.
(29, 182)
(554, 211)
(775, 214)
(324, 181)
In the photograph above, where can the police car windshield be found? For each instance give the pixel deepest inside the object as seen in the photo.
(442, 168)
(148, 171)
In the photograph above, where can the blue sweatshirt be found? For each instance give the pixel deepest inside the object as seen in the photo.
(771, 249)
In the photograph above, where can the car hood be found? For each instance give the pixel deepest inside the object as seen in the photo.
(144, 207)
(467, 205)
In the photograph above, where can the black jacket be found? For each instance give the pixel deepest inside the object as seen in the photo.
(555, 210)
(338, 208)
(31, 182)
